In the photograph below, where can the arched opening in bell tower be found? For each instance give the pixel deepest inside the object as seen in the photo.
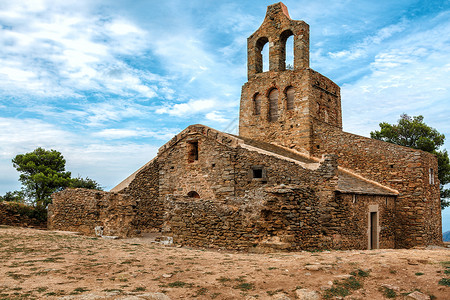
(287, 50)
(262, 55)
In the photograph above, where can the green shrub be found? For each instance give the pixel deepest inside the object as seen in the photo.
(389, 293)
(39, 213)
(445, 281)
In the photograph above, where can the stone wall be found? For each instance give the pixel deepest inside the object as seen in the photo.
(144, 189)
(18, 214)
(82, 210)
(283, 218)
(211, 175)
(352, 215)
(401, 168)
(315, 98)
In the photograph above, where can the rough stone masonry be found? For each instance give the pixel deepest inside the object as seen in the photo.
(291, 180)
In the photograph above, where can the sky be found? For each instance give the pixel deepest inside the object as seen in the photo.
(107, 83)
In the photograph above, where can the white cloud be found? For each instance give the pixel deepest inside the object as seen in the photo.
(409, 75)
(108, 164)
(100, 113)
(55, 50)
(216, 116)
(189, 108)
(121, 133)
(366, 46)
(24, 135)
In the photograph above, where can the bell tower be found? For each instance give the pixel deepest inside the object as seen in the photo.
(281, 106)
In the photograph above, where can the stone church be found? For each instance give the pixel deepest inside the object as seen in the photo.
(291, 180)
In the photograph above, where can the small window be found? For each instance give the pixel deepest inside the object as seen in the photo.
(431, 175)
(257, 173)
(193, 194)
(192, 151)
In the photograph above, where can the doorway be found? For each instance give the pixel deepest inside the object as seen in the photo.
(373, 230)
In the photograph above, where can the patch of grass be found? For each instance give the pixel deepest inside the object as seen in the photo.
(351, 283)
(214, 295)
(272, 268)
(178, 284)
(52, 259)
(419, 274)
(244, 286)
(50, 294)
(336, 291)
(113, 290)
(446, 263)
(201, 292)
(79, 290)
(360, 273)
(447, 271)
(444, 281)
(41, 289)
(342, 288)
(139, 289)
(393, 271)
(388, 293)
(271, 293)
(17, 276)
(223, 279)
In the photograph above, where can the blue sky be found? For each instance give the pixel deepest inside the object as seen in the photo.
(108, 82)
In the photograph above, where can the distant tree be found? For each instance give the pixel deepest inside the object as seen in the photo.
(16, 196)
(413, 132)
(42, 173)
(85, 183)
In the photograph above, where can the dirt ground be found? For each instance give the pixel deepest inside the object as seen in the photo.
(38, 264)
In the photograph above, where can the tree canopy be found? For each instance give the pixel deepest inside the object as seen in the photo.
(16, 196)
(43, 173)
(413, 132)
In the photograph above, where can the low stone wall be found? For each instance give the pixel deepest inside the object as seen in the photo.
(82, 210)
(18, 214)
(284, 218)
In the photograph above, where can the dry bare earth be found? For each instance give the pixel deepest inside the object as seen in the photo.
(36, 264)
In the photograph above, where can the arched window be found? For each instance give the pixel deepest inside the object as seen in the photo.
(193, 194)
(257, 104)
(273, 105)
(265, 58)
(262, 55)
(287, 50)
(290, 98)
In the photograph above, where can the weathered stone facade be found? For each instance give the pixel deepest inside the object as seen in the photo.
(291, 180)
